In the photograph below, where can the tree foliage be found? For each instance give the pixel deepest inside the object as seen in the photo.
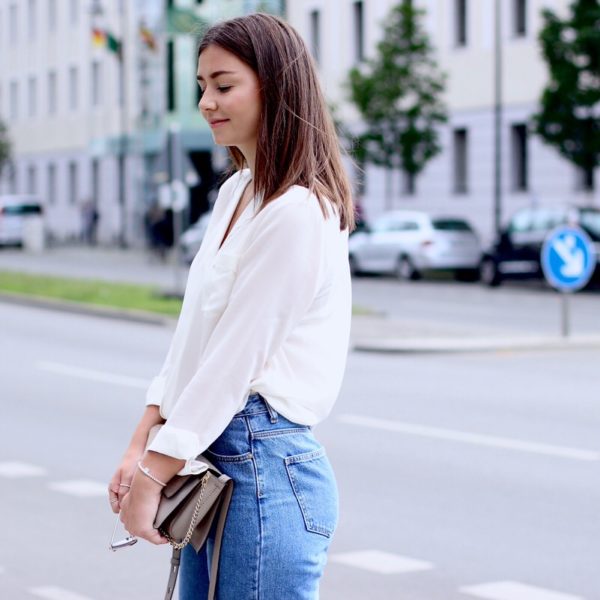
(5, 146)
(398, 94)
(569, 115)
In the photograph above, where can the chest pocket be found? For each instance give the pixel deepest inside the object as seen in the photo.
(219, 282)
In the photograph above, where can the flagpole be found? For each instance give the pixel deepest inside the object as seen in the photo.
(123, 146)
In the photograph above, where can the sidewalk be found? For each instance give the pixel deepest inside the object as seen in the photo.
(370, 332)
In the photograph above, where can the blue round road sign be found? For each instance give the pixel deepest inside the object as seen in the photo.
(568, 258)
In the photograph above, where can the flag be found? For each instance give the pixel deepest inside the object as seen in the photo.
(105, 39)
(147, 37)
(98, 38)
(183, 20)
(113, 44)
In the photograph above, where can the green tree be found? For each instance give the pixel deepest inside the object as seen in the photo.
(569, 114)
(5, 146)
(398, 94)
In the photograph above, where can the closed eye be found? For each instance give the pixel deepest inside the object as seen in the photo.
(224, 88)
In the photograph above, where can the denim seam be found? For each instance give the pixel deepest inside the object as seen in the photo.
(235, 458)
(278, 432)
(260, 521)
(299, 458)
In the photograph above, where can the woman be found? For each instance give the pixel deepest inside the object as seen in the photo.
(260, 347)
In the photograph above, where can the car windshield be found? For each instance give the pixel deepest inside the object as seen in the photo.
(451, 225)
(591, 220)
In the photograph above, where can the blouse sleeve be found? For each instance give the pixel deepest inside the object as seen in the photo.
(156, 389)
(277, 280)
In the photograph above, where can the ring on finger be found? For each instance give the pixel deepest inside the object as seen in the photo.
(124, 485)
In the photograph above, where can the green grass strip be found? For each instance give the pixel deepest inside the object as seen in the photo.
(89, 291)
(101, 293)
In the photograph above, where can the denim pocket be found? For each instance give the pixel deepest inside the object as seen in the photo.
(315, 489)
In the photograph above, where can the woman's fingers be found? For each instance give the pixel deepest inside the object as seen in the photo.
(114, 488)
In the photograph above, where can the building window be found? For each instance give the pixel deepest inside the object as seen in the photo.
(13, 184)
(32, 16)
(52, 15)
(32, 97)
(95, 181)
(31, 180)
(315, 35)
(520, 18)
(460, 22)
(51, 185)
(460, 142)
(13, 24)
(14, 100)
(52, 92)
(359, 32)
(73, 89)
(170, 76)
(96, 90)
(73, 191)
(520, 159)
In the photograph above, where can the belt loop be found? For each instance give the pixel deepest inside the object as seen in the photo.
(272, 412)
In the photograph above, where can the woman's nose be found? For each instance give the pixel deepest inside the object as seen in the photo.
(207, 103)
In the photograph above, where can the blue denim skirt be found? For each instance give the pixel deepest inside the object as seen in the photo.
(282, 516)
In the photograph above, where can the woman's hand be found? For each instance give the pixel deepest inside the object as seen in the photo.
(139, 508)
(120, 484)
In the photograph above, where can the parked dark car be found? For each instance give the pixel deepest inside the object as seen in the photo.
(516, 253)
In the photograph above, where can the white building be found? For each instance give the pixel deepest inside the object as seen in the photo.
(460, 180)
(77, 122)
(67, 110)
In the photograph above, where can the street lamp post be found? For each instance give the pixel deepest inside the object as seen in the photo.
(498, 119)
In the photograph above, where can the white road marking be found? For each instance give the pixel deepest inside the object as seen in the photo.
(381, 562)
(83, 488)
(16, 469)
(513, 590)
(93, 375)
(471, 438)
(50, 592)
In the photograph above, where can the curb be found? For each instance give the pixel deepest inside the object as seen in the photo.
(462, 345)
(95, 310)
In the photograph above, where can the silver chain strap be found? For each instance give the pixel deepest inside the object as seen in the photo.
(194, 521)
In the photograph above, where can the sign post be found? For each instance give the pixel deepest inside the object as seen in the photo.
(568, 261)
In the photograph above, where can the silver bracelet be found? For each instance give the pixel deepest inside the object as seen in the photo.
(146, 472)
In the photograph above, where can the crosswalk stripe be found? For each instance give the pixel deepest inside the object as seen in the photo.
(513, 590)
(471, 438)
(380, 562)
(93, 375)
(50, 592)
(83, 488)
(15, 469)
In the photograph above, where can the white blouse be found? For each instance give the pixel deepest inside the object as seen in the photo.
(268, 312)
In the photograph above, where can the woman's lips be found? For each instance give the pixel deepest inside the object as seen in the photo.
(218, 123)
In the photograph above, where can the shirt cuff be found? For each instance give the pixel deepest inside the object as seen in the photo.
(179, 443)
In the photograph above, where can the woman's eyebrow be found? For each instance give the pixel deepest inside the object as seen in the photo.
(215, 75)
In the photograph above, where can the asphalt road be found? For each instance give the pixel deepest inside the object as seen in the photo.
(461, 476)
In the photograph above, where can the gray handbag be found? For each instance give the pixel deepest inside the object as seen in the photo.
(189, 507)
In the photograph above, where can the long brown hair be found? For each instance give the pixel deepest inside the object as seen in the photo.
(297, 143)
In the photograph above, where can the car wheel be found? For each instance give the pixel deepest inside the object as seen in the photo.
(406, 270)
(489, 273)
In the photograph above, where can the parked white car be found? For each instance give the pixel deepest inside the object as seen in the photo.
(408, 243)
(21, 221)
(191, 238)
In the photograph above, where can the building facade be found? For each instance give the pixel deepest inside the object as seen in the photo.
(460, 180)
(96, 125)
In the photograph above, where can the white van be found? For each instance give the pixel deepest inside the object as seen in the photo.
(20, 217)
